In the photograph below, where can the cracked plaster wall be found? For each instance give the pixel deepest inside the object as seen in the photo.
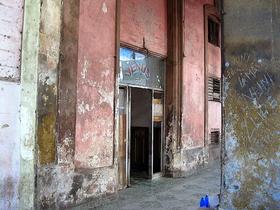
(193, 155)
(71, 166)
(251, 98)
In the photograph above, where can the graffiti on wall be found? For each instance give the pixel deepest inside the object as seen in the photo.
(252, 130)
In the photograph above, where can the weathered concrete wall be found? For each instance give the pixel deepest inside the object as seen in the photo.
(251, 100)
(11, 16)
(95, 84)
(50, 33)
(145, 19)
(28, 102)
(77, 169)
(193, 152)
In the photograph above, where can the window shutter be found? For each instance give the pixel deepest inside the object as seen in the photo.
(214, 89)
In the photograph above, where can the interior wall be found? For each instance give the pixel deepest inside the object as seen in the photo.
(141, 108)
(251, 101)
(141, 116)
(145, 19)
(11, 18)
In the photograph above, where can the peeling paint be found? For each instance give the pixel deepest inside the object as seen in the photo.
(95, 86)
(48, 73)
(84, 108)
(72, 187)
(104, 8)
(86, 65)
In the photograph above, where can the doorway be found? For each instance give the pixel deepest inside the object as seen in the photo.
(141, 132)
(141, 116)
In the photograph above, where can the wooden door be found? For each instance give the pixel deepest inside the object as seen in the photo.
(122, 151)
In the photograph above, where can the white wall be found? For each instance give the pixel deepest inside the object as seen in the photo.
(11, 18)
(9, 144)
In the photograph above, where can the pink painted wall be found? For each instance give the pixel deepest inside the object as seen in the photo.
(145, 18)
(95, 84)
(214, 69)
(11, 16)
(193, 75)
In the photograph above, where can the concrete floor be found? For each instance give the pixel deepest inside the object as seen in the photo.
(165, 193)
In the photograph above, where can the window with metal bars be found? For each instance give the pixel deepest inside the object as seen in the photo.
(214, 89)
(215, 137)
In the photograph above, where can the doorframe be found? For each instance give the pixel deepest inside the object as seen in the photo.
(161, 173)
(128, 108)
(128, 88)
(151, 175)
(172, 81)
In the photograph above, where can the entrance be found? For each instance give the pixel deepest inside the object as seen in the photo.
(141, 118)
(141, 129)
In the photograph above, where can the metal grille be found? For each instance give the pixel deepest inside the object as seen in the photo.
(215, 137)
(214, 89)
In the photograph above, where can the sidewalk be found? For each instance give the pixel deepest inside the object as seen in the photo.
(166, 193)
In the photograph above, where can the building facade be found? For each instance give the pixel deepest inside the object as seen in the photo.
(95, 93)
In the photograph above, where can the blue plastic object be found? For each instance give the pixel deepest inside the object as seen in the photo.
(202, 203)
(206, 201)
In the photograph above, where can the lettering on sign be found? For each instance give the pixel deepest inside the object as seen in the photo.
(137, 68)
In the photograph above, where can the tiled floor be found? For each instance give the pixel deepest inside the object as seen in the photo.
(166, 193)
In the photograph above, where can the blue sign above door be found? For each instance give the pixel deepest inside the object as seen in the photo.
(141, 70)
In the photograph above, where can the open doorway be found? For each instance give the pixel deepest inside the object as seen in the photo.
(141, 130)
(141, 116)
(141, 134)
